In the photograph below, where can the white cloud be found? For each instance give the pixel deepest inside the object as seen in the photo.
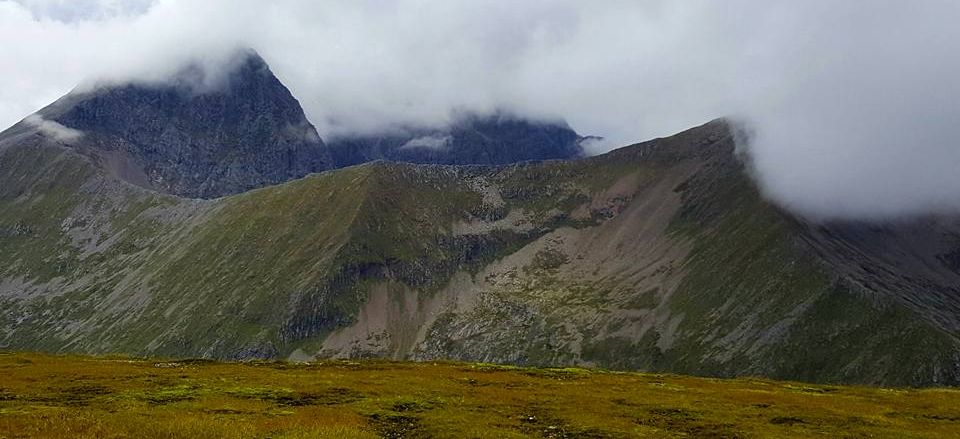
(593, 145)
(76, 10)
(53, 129)
(428, 142)
(853, 103)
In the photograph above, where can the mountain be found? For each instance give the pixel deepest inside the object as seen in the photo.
(471, 139)
(659, 256)
(187, 138)
(190, 138)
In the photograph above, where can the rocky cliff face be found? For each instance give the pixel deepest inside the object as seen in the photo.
(471, 140)
(657, 256)
(188, 139)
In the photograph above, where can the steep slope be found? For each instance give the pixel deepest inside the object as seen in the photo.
(471, 139)
(189, 137)
(657, 256)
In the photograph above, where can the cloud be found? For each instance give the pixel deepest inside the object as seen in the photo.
(852, 104)
(76, 10)
(855, 109)
(428, 142)
(593, 145)
(53, 129)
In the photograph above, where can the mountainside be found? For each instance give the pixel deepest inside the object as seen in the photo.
(659, 256)
(190, 138)
(495, 139)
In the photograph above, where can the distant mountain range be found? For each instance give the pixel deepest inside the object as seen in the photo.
(496, 139)
(165, 220)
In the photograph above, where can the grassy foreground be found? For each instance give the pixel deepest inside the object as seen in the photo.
(67, 397)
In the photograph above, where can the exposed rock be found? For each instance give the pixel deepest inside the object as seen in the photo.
(180, 138)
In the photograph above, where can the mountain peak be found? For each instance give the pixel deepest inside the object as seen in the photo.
(243, 66)
(200, 134)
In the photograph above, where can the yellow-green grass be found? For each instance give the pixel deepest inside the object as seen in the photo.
(115, 397)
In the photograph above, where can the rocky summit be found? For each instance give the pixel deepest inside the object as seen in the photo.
(658, 256)
(189, 138)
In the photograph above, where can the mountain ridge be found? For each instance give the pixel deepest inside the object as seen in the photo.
(659, 256)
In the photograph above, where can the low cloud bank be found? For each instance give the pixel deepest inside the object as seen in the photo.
(852, 105)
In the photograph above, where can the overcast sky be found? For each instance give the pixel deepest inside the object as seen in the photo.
(855, 105)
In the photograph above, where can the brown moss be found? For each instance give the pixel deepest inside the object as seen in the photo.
(137, 398)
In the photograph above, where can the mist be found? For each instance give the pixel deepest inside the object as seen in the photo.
(53, 129)
(851, 105)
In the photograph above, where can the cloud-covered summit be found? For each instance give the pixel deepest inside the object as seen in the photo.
(852, 104)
